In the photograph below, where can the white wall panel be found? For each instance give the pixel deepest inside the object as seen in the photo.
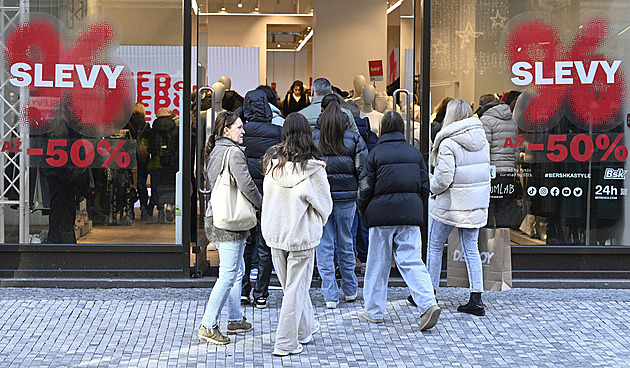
(241, 64)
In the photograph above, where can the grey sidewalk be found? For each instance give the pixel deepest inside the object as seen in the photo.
(157, 328)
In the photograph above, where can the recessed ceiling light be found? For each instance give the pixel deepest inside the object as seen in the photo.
(278, 45)
(223, 8)
(257, 9)
(240, 5)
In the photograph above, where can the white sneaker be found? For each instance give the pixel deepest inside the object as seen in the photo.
(279, 352)
(309, 338)
(351, 298)
(331, 305)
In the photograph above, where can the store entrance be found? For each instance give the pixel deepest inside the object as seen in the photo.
(365, 48)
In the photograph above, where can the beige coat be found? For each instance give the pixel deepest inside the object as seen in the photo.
(296, 205)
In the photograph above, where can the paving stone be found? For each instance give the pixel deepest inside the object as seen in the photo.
(158, 327)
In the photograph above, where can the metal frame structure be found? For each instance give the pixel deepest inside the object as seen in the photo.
(13, 166)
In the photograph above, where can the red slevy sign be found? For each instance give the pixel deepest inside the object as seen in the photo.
(577, 79)
(76, 73)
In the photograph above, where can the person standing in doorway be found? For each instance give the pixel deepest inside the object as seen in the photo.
(394, 188)
(296, 204)
(296, 99)
(460, 184)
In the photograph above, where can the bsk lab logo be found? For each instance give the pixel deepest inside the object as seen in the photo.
(531, 191)
(617, 174)
(543, 191)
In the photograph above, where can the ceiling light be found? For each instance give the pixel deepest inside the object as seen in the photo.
(393, 7)
(304, 41)
(195, 6)
(257, 9)
(240, 4)
(278, 45)
(223, 8)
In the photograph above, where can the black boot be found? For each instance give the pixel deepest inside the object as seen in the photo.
(474, 305)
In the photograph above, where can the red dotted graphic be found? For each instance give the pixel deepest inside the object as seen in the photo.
(595, 105)
(76, 73)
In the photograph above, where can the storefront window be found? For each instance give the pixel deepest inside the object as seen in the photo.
(91, 101)
(558, 146)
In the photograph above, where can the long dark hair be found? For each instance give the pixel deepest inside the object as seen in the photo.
(270, 93)
(332, 128)
(225, 119)
(297, 145)
(299, 84)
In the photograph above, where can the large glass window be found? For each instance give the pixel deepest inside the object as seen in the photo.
(558, 146)
(92, 92)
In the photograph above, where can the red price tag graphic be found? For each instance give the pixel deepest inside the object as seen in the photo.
(376, 70)
(111, 153)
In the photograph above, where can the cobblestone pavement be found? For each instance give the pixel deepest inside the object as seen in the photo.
(158, 327)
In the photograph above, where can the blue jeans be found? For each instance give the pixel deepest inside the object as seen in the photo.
(405, 243)
(227, 288)
(342, 216)
(438, 236)
(361, 238)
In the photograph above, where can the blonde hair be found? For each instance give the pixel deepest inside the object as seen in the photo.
(138, 108)
(457, 110)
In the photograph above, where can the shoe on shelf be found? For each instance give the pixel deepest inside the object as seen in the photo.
(411, 302)
(430, 317)
(373, 320)
(351, 298)
(474, 306)
(309, 338)
(212, 335)
(331, 305)
(235, 327)
(245, 300)
(279, 352)
(260, 303)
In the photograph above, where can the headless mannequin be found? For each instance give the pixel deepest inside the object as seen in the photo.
(219, 91)
(368, 94)
(227, 82)
(358, 82)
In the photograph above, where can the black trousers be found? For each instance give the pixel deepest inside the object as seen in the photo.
(255, 241)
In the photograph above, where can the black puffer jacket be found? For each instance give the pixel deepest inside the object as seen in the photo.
(260, 134)
(344, 171)
(370, 138)
(394, 184)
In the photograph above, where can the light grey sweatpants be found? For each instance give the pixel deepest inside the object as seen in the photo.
(297, 319)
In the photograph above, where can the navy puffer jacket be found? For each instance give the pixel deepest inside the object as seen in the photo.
(344, 170)
(394, 184)
(260, 134)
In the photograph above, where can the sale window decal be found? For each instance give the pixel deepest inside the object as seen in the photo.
(73, 73)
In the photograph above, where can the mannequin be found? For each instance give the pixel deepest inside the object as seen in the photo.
(231, 99)
(368, 93)
(227, 82)
(219, 92)
(358, 82)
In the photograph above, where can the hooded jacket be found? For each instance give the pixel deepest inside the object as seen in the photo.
(277, 118)
(461, 181)
(238, 169)
(344, 170)
(260, 133)
(394, 184)
(296, 206)
(369, 137)
(498, 124)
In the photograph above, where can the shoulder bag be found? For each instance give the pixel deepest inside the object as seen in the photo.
(231, 210)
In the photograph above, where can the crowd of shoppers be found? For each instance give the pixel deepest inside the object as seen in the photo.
(313, 176)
